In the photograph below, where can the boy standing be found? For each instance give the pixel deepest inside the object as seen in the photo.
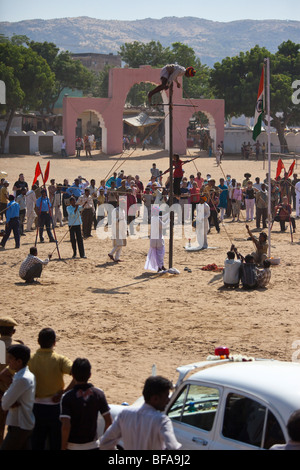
(18, 400)
(79, 410)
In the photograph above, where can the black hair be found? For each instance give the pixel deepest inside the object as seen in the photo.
(230, 254)
(265, 236)
(249, 258)
(155, 385)
(7, 330)
(11, 197)
(81, 369)
(33, 251)
(293, 426)
(20, 351)
(46, 338)
(266, 263)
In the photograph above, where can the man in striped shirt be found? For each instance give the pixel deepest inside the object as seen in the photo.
(32, 266)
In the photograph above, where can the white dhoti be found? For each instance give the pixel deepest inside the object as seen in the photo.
(202, 227)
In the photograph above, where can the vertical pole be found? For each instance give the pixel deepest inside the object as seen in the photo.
(267, 62)
(171, 176)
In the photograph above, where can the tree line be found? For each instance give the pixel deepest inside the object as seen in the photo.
(35, 74)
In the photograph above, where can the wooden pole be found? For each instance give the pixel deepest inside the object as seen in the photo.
(267, 65)
(171, 176)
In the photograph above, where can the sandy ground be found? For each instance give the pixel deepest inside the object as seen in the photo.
(125, 319)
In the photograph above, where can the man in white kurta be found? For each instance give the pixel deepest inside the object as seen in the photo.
(202, 225)
(119, 231)
(30, 206)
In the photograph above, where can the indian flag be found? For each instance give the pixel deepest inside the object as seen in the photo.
(259, 109)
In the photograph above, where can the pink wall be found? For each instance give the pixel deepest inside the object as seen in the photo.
(110, 110)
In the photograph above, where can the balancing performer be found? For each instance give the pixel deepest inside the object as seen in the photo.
(170, 73)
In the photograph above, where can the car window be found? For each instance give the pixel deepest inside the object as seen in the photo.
(244, 421)
(274, 433)
(196, 406)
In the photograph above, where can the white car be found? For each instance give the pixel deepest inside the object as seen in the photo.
(233, 403)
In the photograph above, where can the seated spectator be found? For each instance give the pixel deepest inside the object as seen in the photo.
(248, 273)
(261, 245)
(231, 272)
(264, 275)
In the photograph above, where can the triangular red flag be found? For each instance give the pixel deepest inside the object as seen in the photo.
(46, 175)
(291, 169)
(38, 172)
(280, 167)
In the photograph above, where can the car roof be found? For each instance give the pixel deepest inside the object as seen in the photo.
(276, 382)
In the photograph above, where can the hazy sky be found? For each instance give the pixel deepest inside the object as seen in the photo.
(217, 10)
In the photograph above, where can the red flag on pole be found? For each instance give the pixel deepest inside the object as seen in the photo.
(280, 167)
(46, 175)
(38, 172)
(291, 169)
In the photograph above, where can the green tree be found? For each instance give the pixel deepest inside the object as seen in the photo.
(236, 80)
(27, 76)
(69, 73)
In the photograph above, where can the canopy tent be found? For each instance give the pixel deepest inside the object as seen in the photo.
(142, 120)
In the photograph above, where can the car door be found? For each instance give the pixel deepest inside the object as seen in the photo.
(246, 423)
(193, 411)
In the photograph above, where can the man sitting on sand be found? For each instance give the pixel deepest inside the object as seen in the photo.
(261, 244)
(32, 266)
(264, 274)
(231, 272)
(248, 273)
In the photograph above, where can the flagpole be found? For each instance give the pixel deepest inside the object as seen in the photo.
(267, 64)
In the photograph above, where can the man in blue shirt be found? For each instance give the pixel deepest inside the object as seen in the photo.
(74, 221)
(75, 189)
(12, 222)
(43, 208)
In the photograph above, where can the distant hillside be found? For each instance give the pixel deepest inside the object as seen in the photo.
(212, 41)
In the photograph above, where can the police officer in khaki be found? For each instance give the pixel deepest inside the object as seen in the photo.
(7, 330)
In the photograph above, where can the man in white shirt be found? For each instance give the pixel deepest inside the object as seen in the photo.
(18, 400)
(231, 276)
(168, 74)
(144, 428)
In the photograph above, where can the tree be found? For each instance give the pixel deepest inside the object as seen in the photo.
(236, 80)
(69, 73)
(27, 77)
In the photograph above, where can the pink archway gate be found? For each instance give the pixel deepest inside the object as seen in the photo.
(110, 111)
